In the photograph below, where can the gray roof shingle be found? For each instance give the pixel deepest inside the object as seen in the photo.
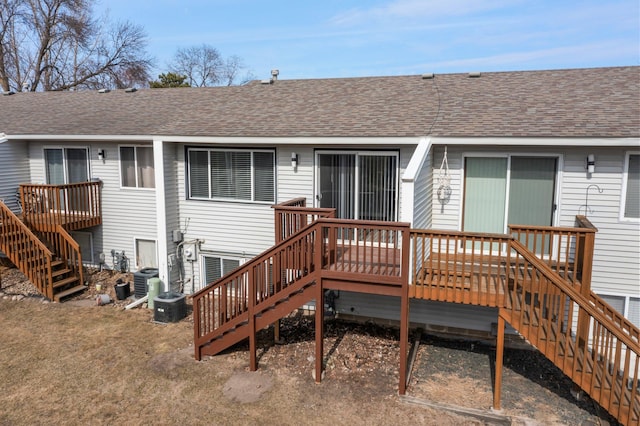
(595, 102)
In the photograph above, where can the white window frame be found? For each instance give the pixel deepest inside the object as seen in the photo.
(65, 166)
(135, 252)
(623, 193)
(357, 153)
(252, 176)
(135, 159)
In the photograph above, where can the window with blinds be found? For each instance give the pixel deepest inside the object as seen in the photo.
(215, 267)
(137, 167)
(231, 175)
(632, 193)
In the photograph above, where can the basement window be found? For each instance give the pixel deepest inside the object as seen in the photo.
(215, 267)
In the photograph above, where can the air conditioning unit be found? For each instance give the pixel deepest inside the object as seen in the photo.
(169, 307)
(140, 278)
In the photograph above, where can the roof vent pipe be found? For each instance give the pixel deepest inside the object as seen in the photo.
(274, 74)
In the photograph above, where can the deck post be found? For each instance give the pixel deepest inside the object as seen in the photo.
(497, 387)
(319, 330)
(585, 259)
(253, 358)
(404, 310)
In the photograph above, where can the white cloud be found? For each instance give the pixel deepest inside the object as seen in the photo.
(416, 10)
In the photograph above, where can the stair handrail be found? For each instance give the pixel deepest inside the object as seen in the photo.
(259, 294)
(69, 251)
(620, 369)
(584, 303)
(40, 276)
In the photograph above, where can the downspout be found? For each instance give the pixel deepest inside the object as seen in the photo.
(161, 212)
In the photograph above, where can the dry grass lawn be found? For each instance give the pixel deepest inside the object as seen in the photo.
(65, 364)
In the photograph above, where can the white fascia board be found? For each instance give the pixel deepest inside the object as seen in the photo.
(84, 138)
(236, 140)
(577, 141)
(315, 141)
(3, 138)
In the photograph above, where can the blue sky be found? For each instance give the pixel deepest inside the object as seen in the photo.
(350, 38)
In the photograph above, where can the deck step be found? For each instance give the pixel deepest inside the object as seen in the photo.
(58, 272)
(65, 281)
(69, 292)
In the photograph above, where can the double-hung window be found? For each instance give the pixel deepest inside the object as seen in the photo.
(136, 167)
(227, 174)
(631, 188)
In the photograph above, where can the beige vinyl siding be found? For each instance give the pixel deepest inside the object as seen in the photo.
(617, 252)
(127, 213)
(15, 170)
(447, 216)
(423, 196)
(295, 183)
(236, 229)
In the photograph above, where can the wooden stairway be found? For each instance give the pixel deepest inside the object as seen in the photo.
(590, 342)
(55, 273)
(255, 295)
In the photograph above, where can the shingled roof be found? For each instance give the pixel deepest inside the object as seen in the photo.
(595, 102)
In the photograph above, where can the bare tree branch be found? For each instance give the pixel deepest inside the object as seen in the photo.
(59, 45)
(204, 66)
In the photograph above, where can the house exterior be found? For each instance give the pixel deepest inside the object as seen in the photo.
(189, 175)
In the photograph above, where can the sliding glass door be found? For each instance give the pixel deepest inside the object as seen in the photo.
(67, 165)
(359, 185)
(510, 190)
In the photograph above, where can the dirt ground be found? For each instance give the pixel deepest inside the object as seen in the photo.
(77, 362)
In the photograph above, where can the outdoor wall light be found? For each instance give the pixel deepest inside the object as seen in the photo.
(101, 154)
(591, 163)
(294, 160)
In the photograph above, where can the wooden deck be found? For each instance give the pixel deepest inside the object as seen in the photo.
(538, 278)
(38, 240)
(72, 206)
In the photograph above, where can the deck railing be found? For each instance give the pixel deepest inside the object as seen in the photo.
(460, 267)
(68, 250)
(74, 205)
(26, 251)
(365, 251)
(292, 216)
(564, 250)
